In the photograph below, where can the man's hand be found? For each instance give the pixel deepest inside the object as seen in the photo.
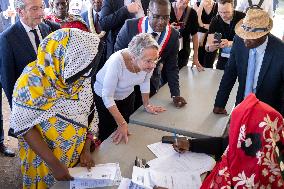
(224, 43)
(179, 101)
(86, 160)
(218, 110)
(133, 7)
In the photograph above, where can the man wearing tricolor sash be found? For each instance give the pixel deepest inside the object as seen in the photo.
(157, 23)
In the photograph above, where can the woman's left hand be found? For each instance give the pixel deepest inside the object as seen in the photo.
(198, 65)
(121, 133)
(152, 109)
(86, 160)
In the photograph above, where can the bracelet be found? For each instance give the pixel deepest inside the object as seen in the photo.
(91, 137)
(122, 123)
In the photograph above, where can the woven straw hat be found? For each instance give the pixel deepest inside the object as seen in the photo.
(256, 24)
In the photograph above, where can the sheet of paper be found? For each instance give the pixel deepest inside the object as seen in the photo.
(189, 161)
(140, 176)
(148, 178)
(129, 184)
(179, 180)
(99, 176)
(162, 149)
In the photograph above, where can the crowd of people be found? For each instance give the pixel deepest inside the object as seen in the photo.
(73, 77)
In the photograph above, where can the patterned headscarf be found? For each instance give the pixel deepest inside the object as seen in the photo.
(42, 90)
(254, 157)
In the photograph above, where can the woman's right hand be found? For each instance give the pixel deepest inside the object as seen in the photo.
(60, 172)
(121, 133)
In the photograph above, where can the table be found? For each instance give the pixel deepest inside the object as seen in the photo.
(196, 119)
(125, 154)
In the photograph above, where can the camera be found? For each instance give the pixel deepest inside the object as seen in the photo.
(218, 37)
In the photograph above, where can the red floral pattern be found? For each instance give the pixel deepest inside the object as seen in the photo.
(261, 170)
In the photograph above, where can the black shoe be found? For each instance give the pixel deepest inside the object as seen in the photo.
(4, 150)
(11, 133)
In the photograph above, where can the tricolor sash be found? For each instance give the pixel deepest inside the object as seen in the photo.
(164, 37)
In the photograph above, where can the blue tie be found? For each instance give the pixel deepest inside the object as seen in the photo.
(250, 72)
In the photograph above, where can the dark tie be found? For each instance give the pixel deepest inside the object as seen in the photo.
(37, 41)
(155, 35)
(97, 24)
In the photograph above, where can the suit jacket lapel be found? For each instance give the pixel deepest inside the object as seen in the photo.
(265, 63)
(43, 30)
(24, 39)
(244, 63)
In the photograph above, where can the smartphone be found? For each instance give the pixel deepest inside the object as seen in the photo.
(181, 25)
(170, 139)
(218, 37)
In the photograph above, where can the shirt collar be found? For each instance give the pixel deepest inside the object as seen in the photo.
(261, 48)
(95, 12)
(28, 28)
(150, 30)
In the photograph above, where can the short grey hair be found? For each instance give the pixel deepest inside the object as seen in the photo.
(140, 42)
(19, 4)
(159, 2)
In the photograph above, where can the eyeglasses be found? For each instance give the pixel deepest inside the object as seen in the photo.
(152, 61)
(159, 17)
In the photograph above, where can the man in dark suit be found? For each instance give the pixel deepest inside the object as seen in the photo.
(113, 15)
(157, 23)
(95, 12)
(18, 45)
(257, 60)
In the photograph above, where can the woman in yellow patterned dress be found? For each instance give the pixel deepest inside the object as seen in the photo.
(51, 105)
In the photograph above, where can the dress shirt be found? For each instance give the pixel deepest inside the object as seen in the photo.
(260, 50)
(31, 35)
(150, 30)
(267, 5)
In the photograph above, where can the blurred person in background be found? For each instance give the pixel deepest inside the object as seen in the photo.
(184, 19)
(206, 11)
(222, 31)
(59, 14)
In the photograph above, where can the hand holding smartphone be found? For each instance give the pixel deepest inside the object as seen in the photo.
(217, 37)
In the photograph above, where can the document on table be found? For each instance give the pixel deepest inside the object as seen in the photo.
(187, 162)
(162, 149)
(148, 178)
(129, 184)
(99, 176)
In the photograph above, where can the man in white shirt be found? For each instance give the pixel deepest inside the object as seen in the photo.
(266, 5)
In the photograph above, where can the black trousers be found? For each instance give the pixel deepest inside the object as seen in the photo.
(1, 116)
(107, 124)
(206, 59)
(221, 63)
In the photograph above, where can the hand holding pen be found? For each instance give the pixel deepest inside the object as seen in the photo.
(181, 145)
(176, 142)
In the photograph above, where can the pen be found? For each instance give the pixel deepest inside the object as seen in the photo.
(176, 142)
